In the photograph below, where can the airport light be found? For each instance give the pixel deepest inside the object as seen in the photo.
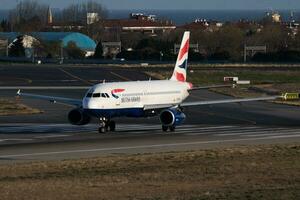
(290, 96)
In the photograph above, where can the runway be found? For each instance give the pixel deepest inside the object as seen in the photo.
(37, 142)
(48, 136)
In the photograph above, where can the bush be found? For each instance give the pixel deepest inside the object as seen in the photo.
(219, 56)
(74, 52)
(281, 56)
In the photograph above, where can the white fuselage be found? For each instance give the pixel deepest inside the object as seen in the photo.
(124, 95)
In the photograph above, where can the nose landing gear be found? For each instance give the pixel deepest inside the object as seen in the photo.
(166, 128)
(106, 125)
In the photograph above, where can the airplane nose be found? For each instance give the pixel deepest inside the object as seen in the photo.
(87, 103)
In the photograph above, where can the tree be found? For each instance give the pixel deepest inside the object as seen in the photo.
(78, 12)
(31, 25)
(99, 50)
(49, 49)
(74, 52)
(27, 11)
(274, 36)
(17, 48)
(225, 43)
(296, 42)
(5, 26)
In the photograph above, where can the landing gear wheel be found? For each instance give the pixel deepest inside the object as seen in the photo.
(102, 129)
(172, 128)
(106, 125)
(165, 128)
(112, 126)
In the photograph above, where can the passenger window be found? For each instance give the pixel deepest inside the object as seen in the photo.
(103, 95)
(106, 95)
(96, 95)
(89, 95)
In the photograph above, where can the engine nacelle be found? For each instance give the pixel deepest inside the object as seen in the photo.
(171, 117)
(78, 117)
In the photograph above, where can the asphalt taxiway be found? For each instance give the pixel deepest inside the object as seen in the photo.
(48, 136)
(61, 141)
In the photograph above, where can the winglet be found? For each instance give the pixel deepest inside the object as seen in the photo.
(19, 92)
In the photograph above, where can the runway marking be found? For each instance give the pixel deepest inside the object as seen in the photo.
(34, 132)
(166, 145)
(76, 77)
(249, 131)
(225, 116)
(52, 136)
(233, 131)
(15, 139)
(120, 76)
(283, 136)
(273, 134)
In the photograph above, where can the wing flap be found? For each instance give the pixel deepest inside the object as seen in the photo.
(158, 106)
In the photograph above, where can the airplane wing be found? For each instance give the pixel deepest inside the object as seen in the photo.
(158, 106)
(68, 101)
(213, 102)
(210, 102)
(212, 86)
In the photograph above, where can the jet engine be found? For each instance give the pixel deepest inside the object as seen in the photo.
(171, 117)
(78, 117)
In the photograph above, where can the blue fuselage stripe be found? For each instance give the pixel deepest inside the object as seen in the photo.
(111, 113)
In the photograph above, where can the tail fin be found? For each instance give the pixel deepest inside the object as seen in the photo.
(179, 73)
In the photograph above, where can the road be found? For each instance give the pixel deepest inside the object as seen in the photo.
(48, 136)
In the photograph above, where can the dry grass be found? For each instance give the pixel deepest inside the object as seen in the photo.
(9, 107)
(260, 172)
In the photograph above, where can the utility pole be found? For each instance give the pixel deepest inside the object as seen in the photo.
(6, 48)
(32, 55)
(61, 54)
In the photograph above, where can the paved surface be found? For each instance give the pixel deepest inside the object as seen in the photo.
(62, 141)
(48, 136)
(56, 75)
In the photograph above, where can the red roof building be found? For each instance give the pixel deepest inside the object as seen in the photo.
(141, 24)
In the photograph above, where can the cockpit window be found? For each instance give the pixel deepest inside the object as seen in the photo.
(96, 95)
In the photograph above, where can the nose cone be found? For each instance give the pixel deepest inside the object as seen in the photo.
(88, 103)
(85, 103)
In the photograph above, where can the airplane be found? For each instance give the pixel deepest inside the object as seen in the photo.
(163, 98)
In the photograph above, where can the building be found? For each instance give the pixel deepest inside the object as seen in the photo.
(139, 22)
(70, 26)
(276, 17)
(49, 16)
(29, 40)
(202, 24)
(273, 16)
(111, 48)
(92, 18)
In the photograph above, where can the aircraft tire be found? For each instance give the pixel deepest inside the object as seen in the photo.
(172, 128)
(102, 130)
(112, 126)
(164, 128)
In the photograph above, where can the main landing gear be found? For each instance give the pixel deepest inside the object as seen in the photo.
(166, 128)
(106, 125)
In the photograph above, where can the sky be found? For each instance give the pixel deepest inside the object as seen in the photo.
(175, 4)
